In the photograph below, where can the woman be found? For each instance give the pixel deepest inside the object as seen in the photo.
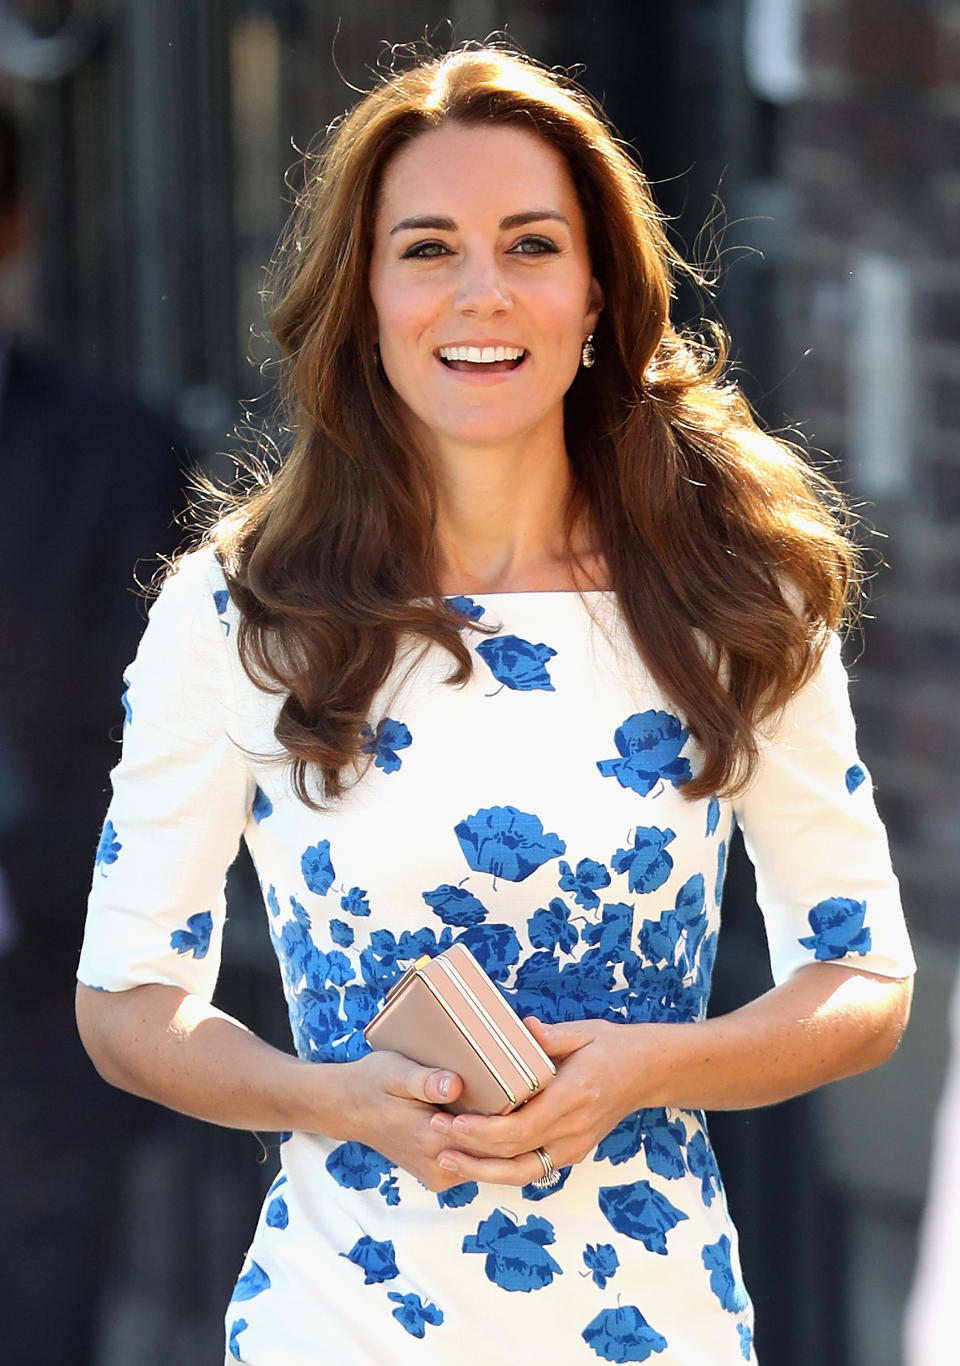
(529, 616)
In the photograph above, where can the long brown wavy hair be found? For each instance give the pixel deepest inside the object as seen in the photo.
(729, 555)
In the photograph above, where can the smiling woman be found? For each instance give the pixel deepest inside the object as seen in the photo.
(529, 618)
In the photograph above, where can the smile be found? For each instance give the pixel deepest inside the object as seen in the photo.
(495, 359)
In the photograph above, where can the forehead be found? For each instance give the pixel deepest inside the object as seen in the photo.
(469, 164)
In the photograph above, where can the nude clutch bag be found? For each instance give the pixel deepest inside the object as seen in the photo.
(446, 1012)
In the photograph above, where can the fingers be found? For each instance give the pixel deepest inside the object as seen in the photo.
(433, 1085)
(560, 1040)
(509, 1171)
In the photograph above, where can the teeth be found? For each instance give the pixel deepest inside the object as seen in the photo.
(481, 355)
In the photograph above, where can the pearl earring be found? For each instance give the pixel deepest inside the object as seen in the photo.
(588, 353)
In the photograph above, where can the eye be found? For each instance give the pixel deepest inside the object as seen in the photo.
(535, 246)
(425, 251)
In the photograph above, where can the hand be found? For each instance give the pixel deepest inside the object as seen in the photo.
(598, 1063)
(387, 1103)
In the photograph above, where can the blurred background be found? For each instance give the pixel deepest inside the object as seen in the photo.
(143, 150)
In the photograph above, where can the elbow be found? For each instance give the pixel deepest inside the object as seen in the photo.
(889, 1026)
(93, 1011)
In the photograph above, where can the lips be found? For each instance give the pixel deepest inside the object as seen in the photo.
(481, 358)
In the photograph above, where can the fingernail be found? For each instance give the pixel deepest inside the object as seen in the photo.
(448, 1164)
(443, 1085)
(441, 1123)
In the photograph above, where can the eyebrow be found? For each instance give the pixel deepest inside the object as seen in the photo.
(512, 220)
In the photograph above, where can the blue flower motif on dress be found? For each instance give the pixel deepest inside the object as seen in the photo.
(377, 1260)
(517, 664)
(466, 608)
(649, 745)
(195, 938)
(413, 1314)
(355, 902)
(341, 933)
(455, 905)
(517, 1258)
(713, 816)
(838, 929)
(278, 1215)
(721, 871)
(273, 903)
(675, 938)
(662, 1141)
(647, 864)
(746, 1339)
(622, 1334)
(221, 599)
(495, 947)
(703, 1165)
(357, 1167)
(108, 847)
(506, 842)
(854, 776)
(610, 937)
(316, 867)
(550, 927)
(126, 703)
(726, 1284)
(253, 1282)
(236, 1328)
(262, 806)
(638, 1211)
(384, 742)
(581, 989)
(458, 1196)
(584, 883)
(602, 1260)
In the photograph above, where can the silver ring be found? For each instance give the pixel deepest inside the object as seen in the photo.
(551, 1174)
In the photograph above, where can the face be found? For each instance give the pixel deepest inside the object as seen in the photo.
(481, 284)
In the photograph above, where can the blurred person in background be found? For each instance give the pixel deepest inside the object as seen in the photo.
(510, 472)
(930, 1335)
(91, 482)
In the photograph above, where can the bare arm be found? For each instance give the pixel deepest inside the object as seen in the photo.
(825, 1023)
(171, 1047)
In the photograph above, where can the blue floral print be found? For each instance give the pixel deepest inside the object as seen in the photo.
(647, 864)
(585, 882)
(662, 1141)
(623, 1334)
(506, 842)
(377, 1260)
(495, 947)
(278, 1215)
(602, 1261)
(384, 742)
(746, 1339)
(721, 872)
(253, 1282)
(195, 938)
(517, 664)
(355, 901)
(262, 806)
(517, 1258)
(854, 776)
(536, 1193)
(676, 936)
(357, 1167)
(126, 703)
(465, 608)
(341, 933)
(413, 1314)
(236, 1328)
(317, 869)
(221, 599)
(108, 848)
(703, 1165)
(611, 935)
(649, 745)
(273, 904)
(838, 929)
(455, 1197)
(724, 1282)
(455, 905)
(713, 816)
(550, 927)
(639, 1211)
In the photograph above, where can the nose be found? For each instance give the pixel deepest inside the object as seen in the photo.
(481, 289)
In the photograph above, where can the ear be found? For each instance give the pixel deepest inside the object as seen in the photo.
(594, 303)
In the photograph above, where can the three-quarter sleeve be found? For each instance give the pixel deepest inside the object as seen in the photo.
(825, 884)
(181, 795)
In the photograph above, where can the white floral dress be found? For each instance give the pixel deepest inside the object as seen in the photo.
(535, 813)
